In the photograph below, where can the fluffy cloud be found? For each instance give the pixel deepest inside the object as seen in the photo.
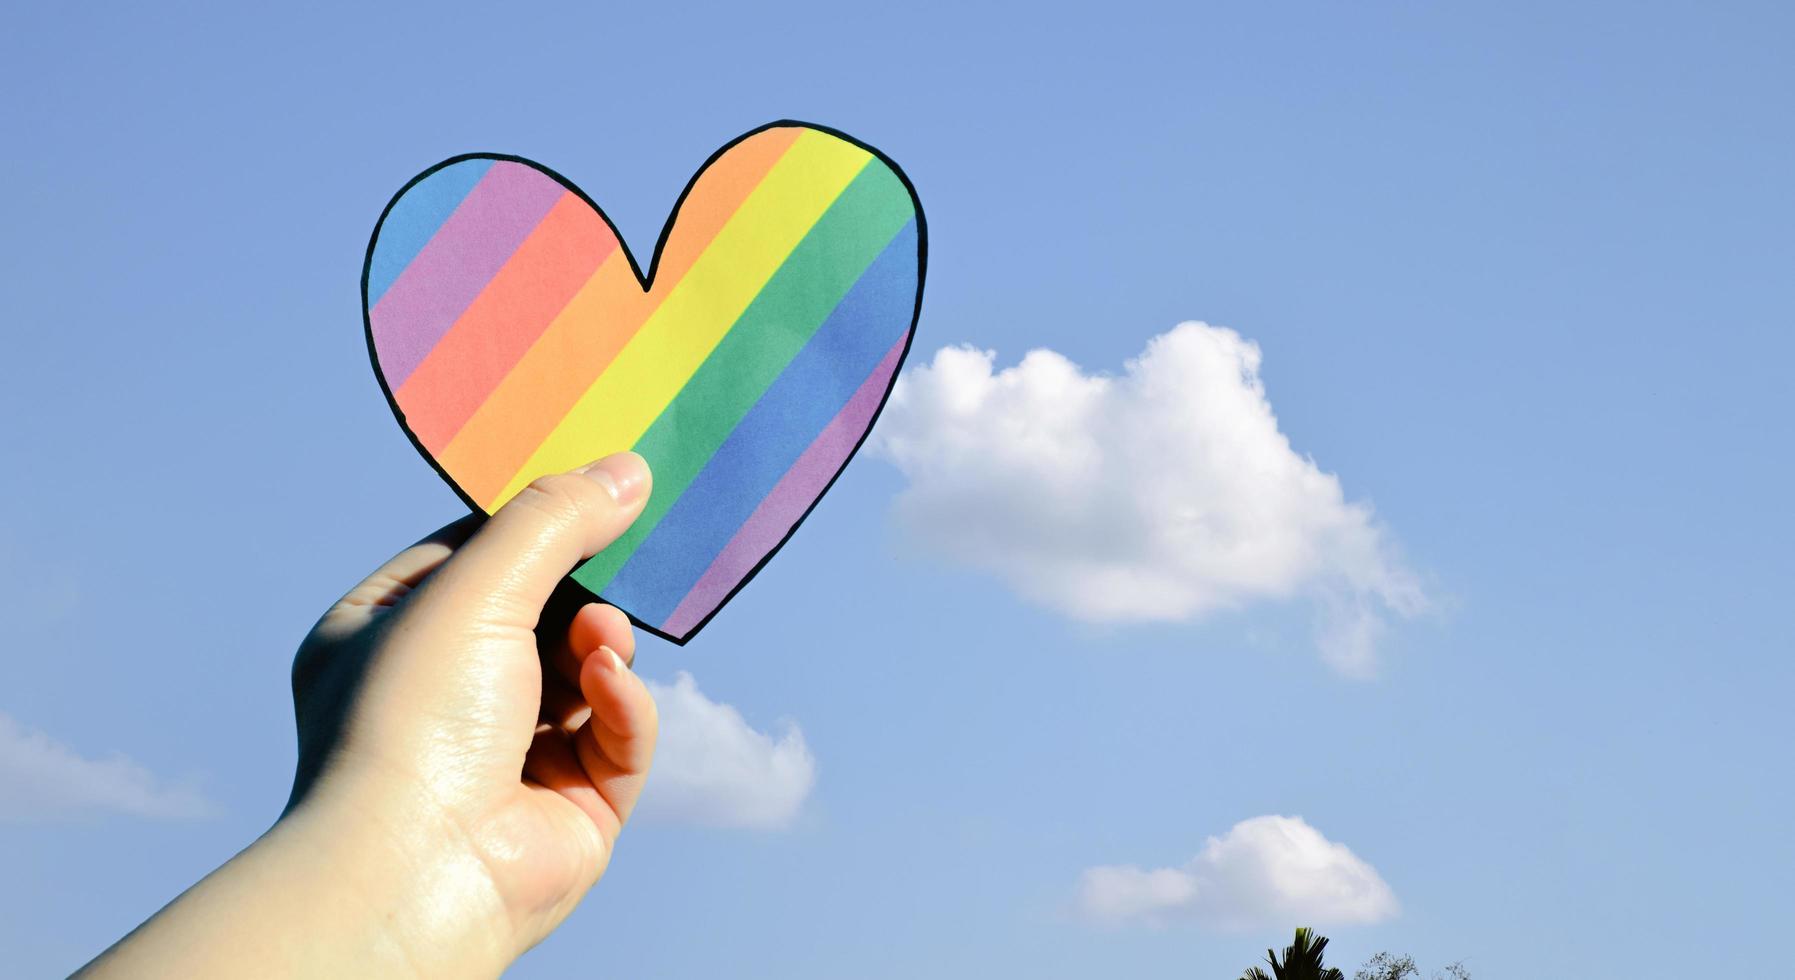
(712, 768)
(1163, 494)
(41, 778)
(1268, 871)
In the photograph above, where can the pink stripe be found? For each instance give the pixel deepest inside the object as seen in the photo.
(460, 259)
(796, 490)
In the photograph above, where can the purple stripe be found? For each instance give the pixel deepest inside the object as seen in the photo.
(463, 256)
(794, 493)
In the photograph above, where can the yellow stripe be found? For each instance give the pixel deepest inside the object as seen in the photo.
(699, 309)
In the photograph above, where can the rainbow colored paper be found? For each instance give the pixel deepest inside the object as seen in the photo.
(515, 337)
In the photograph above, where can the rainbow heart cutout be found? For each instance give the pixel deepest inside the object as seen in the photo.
(515, 336)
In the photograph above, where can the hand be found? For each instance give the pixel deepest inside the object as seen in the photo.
(455, 797)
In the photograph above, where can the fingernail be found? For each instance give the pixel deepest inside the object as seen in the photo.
(623, 475)
(617, 665)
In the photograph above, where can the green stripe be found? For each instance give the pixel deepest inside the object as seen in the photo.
(811, 281)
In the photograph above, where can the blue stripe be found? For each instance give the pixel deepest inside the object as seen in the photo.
(793, 411)
(415, 218)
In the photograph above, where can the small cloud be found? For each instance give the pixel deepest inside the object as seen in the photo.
(1268, 871)
(712, 768)
(41, 779)
(1164, 494)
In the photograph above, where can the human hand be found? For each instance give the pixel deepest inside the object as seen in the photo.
(454, 799)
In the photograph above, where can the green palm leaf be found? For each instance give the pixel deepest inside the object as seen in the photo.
(1302, 960)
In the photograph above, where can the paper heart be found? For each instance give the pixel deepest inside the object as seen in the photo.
(515, 337)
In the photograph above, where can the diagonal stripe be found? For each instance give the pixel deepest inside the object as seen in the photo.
(460, 259)
(819, 293)
(697, 311)
(561, 255)
(782, 508)
(415, 216)
(716, 196)
(679, 543)
(526, 406)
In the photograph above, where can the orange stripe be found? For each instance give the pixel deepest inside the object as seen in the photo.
(527, 405)
(476, 353)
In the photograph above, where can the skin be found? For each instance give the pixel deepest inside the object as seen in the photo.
(471, 744)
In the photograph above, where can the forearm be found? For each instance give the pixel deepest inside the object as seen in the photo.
(323, 895)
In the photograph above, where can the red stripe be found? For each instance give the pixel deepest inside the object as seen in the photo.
(486, 341)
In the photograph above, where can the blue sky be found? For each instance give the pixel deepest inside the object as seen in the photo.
(1520, 279)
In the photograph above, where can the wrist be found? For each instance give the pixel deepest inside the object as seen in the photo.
(403, 884)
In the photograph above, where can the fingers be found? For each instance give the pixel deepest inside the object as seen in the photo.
(599, 625)
(602, 765)
(590, 627)
(594, 625)
(507, 570)
(551, 762)
(563, 706)
(616, 745)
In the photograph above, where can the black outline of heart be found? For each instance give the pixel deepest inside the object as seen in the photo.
(647, 284)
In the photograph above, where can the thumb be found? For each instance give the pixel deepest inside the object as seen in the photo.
(501, 578)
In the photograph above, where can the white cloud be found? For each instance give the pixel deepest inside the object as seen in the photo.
(712, 768)
(1163, 494)
(1268, 872)
(41, 778)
